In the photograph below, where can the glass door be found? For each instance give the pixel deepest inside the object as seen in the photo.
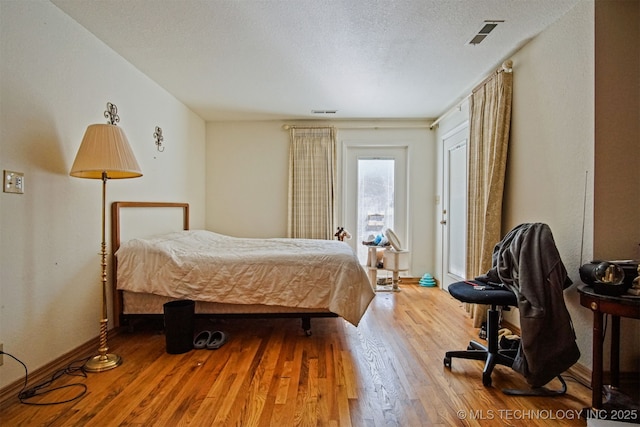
(376, 194)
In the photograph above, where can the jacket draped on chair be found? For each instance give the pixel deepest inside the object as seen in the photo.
(528, 263)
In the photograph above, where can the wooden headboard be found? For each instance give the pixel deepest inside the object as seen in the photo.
(116, 231)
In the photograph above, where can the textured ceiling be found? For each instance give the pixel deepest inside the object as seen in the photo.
(281, 59)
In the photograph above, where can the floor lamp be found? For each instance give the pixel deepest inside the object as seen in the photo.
(105, 154)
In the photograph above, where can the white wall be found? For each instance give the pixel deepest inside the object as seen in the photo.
(421, 158)
(247, 178)
(551, 157)
(55, 79)
(552, 145)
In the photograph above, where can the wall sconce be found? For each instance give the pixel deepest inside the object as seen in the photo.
(159, 138)
(111, 113)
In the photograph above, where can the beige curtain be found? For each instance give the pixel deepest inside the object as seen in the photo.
(312, 171)
(490, 110)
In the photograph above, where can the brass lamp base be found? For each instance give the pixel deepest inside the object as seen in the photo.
(102, 363)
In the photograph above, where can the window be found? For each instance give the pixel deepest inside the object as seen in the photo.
(375, 193)
(375, 200)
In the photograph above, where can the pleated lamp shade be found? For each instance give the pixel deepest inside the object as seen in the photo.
(105, 148)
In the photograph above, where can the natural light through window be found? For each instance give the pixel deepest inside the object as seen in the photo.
(375, 200)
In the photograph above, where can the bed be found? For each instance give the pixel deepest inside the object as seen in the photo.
(230, 276)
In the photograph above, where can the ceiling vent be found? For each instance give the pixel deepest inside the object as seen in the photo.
(484, 31)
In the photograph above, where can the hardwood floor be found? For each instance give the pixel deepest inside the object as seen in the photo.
(386, 372)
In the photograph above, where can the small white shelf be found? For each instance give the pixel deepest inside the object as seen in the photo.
(394, 261)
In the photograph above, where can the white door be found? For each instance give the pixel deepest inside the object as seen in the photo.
(454, 206)
(375, 194)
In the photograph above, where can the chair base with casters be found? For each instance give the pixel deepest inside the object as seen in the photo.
(491, 353)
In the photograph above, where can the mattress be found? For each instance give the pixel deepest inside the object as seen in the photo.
(138, 303)
(299, 274)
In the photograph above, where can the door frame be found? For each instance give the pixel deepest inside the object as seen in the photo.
(403, 230)
(447, 278)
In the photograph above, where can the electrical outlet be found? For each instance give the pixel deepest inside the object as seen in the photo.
(13, 182)
(1, 354)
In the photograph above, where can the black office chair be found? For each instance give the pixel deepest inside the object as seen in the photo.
(527, 273)
(474, 292)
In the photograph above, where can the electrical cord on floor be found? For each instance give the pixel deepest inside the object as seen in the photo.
(577, 380)
(75, 368)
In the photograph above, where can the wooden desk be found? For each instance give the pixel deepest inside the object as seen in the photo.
(617, 307)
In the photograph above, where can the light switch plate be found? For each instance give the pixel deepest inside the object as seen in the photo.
(13, 182)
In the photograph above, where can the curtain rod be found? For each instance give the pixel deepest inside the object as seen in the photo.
(458, 107)
(287, 127)
(507, 67)
(425, 126)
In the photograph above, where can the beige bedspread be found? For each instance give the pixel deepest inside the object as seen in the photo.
(206, 266)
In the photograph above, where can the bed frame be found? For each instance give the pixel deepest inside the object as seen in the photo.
(239, 311)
